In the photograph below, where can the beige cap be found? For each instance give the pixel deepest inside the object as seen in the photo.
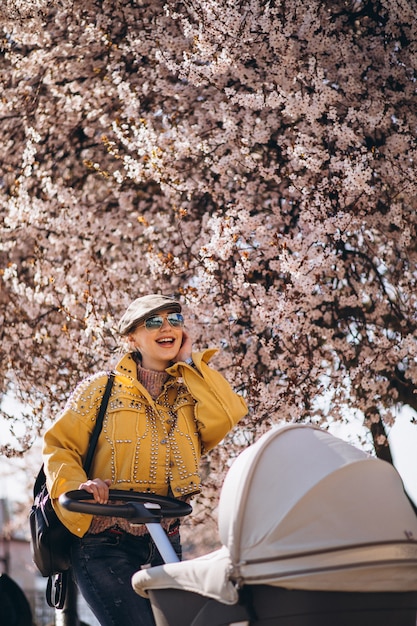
(144, 307)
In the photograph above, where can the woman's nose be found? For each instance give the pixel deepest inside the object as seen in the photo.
(165, 323)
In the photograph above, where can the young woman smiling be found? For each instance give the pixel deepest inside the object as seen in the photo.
(161, 340)
(167, 407)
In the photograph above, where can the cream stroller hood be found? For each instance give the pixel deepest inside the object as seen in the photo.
(303, 509)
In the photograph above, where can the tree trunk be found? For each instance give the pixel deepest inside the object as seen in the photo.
(381, 445)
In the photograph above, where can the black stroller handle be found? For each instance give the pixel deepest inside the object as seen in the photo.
(140, 508)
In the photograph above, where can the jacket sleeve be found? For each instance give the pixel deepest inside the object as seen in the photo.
(218, 408)
(65, 447)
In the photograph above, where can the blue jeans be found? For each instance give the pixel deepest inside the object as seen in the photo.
(103, 566)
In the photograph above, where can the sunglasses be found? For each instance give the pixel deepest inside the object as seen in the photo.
(155, 322)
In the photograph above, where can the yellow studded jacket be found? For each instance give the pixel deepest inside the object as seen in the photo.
(145, 444)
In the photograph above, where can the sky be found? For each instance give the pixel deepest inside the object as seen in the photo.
(17, 474)
(403, 444)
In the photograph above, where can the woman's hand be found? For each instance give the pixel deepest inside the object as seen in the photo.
(99, 488)
(186, 348)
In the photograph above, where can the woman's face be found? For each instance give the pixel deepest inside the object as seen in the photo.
(159, 346)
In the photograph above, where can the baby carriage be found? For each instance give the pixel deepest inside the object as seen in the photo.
(315, 533)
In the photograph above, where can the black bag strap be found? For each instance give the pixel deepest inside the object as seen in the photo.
(56, 590)
(41, 478)
(99, 423)
(39, 482)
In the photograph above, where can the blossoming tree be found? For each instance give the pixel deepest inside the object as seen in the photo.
(256, 159)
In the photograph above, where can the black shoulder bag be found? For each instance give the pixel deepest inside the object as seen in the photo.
(50, 539)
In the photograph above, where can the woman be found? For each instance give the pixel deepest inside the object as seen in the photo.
(167, 407)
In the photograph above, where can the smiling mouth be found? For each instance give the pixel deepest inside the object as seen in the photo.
(166, 341)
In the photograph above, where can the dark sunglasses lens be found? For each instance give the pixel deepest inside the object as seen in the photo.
(154, 322)
(176, 320)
